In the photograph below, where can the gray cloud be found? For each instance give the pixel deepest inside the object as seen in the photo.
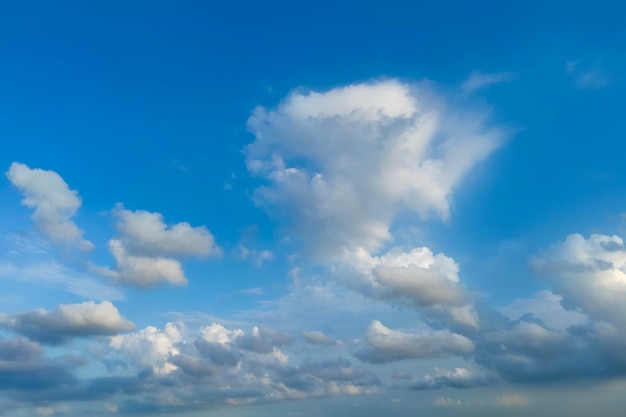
(263, 340)
(23, 368)
(456, 378)
(387, 345)
(67, 321)
(316, 337)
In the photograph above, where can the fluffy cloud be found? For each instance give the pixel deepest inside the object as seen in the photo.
(419, 276)
(527, 351)
(67, 321)
(342, 164)
(144, 233)
(387, 345)
(146, 249)
(54, 203)
(574, 331)
(590, 275)
(217, 333)
(143, 271)
(172, 372)
(150, 347)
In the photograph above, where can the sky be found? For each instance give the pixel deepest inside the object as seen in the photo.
(346, 208)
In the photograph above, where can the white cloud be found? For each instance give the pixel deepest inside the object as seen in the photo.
(418, 275)
(54, 203)
(146, 249)
(142, 271)
(478, 80)
(217, 333)
(391, 345)
(423, 279)
(590, 275)
(446, 402)
(150, 347)
(144, 233)
(67, 321)
(341, 165)
(547, 307)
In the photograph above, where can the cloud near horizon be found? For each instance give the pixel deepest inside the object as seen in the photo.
(338, 169)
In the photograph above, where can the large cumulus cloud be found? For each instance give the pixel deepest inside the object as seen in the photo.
(341, 164)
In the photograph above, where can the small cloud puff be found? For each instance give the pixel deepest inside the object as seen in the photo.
(54, 202)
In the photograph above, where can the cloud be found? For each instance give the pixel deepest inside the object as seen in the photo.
(387, 345)
(170, 372)
(456, 378)
(257, 257)
(54, 203)
(446, 402)
(478, 80)
(67, 321)
(546, 306)
(142, 271)
(51, 411)
(417, 278)
(315, 337)
(586, 76)
(217, 333)
(263, 340)
(419, 275)
(341, 165)
(146, 249)
(52, 274)
(527, 351)
(512, 400)
(23, 368)
(590, 275)
(150, 347)
(144, 233)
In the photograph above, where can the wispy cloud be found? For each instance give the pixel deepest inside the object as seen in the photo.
(586, 76)
(478, 80)
(51, 274)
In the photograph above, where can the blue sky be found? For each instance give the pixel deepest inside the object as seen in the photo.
(328, 208)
